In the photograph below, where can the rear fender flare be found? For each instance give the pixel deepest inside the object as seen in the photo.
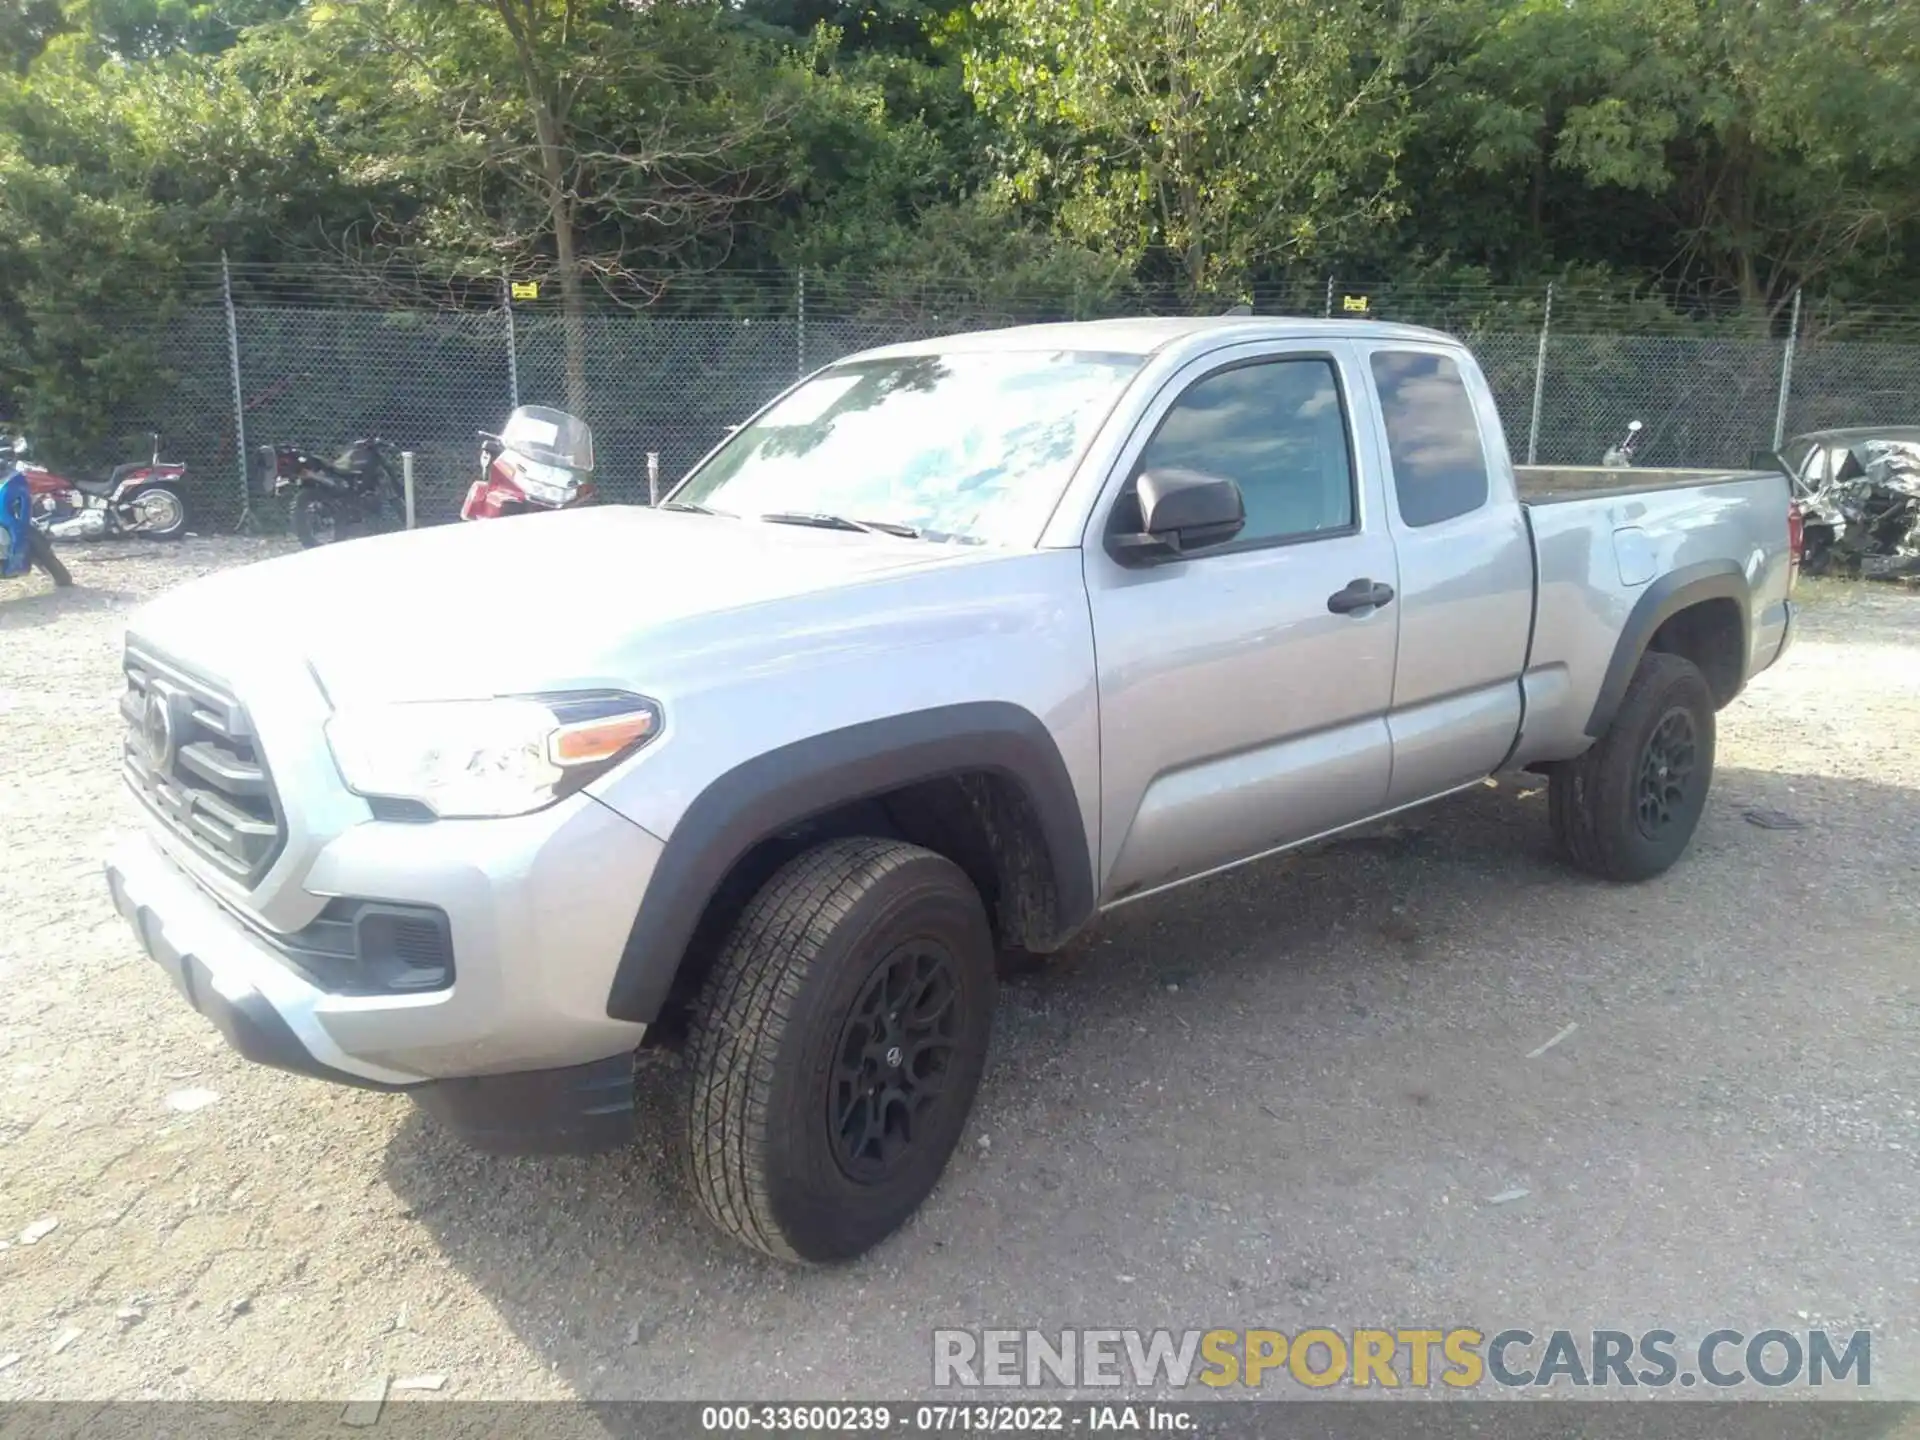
(779, 790)
(1664, 598)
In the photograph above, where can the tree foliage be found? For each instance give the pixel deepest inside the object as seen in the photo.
(1691, 150)
(1749, 149)
(1219, 139)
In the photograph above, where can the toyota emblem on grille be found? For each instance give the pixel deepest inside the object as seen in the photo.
(156, 730)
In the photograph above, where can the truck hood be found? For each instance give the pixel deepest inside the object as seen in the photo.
(534, 602)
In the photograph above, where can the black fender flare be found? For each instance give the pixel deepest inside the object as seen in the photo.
(1664, 598)
(784, 787)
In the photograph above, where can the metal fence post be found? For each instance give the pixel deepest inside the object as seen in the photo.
(1786, 374)
(1327, 312)
(1539, 381)
(406, 482)
(513, 348)
(800, 322)
(239, 397)
(653, 477)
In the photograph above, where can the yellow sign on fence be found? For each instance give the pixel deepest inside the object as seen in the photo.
(526, 289)
(1354, 303)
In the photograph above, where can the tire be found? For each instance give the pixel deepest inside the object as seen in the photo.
(779, 1143)
(316, 519)
(1817, 550)
(41, 550)
(1624, 810)
(176, 504)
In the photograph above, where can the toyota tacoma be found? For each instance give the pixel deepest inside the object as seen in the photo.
(953, 647)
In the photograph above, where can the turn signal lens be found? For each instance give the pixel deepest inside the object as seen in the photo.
(588, 742)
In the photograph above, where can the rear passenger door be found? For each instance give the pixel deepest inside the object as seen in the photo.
(1239, 709)
(1466, 571)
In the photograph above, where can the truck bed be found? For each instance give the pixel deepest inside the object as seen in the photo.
(1551, 484)
(1600, 543)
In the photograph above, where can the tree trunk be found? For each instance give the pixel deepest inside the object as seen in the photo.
(1537, 190)
(572, 300)
(553, 174)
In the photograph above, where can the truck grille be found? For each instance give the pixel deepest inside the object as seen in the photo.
(191, 756)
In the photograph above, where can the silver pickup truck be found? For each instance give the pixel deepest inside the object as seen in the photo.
(951, 648)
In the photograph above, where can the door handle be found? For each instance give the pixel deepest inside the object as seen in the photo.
(1359, 595)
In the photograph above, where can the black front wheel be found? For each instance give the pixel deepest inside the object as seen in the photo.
(318, 519)
(41, 550)
(836, 1048)
(1627, 809)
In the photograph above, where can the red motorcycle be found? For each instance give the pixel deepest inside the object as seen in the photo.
(147, 500)
(542, 459)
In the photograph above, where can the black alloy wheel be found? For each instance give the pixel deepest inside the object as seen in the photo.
(894, 1059)
(1666, 772)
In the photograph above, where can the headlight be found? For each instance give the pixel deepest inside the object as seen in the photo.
(548, 484)
(475, 758)
(541, 473)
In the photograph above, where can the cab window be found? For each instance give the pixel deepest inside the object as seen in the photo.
(1433, 436)
(1278, 430)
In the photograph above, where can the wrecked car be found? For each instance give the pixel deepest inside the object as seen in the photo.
(1860, 492)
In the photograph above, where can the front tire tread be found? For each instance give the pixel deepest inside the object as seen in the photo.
(742, 1016)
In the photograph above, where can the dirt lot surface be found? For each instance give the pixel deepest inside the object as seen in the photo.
(1285, 1098)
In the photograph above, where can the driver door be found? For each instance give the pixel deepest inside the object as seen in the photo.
(1239, 711)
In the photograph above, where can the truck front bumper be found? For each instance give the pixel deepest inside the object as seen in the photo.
(517, 1053)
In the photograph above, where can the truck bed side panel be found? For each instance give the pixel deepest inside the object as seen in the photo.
(1550, 484)
(1597, 557)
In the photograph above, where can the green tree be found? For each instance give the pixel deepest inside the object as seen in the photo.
(116, 176)
(1227, 140)
(1747, 149)
(570, 140)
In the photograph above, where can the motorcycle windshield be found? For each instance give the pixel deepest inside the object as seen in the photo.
(550, 436)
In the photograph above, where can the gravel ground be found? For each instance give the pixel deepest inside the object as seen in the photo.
(1282, 1098)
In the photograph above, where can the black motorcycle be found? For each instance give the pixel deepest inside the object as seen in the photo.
(357, 493)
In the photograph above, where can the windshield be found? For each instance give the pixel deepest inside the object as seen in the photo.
(970, 446)
(551, 436)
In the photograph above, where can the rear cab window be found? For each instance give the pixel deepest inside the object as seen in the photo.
(1433, 436)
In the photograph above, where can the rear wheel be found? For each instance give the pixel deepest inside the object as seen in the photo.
(1627, 809)
(836, 1048)
(41, 550)
(160, 513)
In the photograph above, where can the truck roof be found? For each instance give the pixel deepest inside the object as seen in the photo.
(1147, 335)
(1854, 434)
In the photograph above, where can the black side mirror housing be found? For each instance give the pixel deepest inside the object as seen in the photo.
(1180, 511)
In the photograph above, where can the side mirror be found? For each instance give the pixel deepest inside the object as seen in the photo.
(1180, 511)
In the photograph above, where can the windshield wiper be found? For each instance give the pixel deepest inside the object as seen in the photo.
(688, 506)
(823, 521)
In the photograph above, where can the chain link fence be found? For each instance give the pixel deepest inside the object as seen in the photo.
(668, 382)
